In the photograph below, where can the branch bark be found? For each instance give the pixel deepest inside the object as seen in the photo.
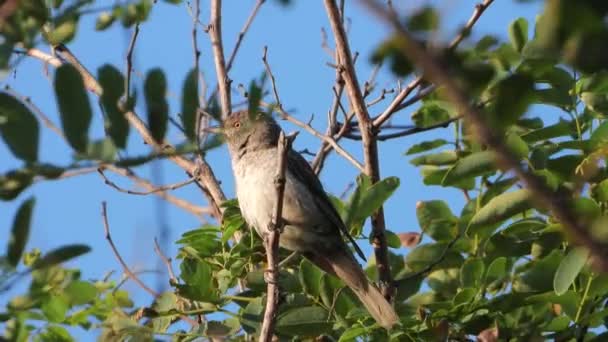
(370, 147)
(271, 241)
(215, 32)
(558, 203)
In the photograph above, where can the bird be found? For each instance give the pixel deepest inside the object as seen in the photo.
(312, 225)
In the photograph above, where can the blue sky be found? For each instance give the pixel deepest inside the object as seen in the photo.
(68, 211)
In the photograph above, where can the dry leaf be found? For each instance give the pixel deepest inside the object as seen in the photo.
(409, 239)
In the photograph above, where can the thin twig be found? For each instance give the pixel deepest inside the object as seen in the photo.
(144, 193)
(125, 268)
(215, 32)
(271, 242)
(167, 261)
(89, 80)
(558, 203)
(144, 183)
(307, 127)
(242, 33)
(409, 131)
(129, 66)
(370, 148)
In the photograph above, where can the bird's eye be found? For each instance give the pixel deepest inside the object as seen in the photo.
(236, 124)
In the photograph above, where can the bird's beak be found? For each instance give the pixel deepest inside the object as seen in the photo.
(213, 129)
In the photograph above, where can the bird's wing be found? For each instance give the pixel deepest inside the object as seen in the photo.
(301, 170)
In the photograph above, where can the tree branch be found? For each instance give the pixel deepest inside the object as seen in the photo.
(242, 33)
(271, 241)
(148, 192)
(215, 32)
(558, 203)
(370, 148)
(125, 268)
(305, 126)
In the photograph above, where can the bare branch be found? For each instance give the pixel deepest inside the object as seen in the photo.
(558, 203)
(215, 32)
(127, 96)
(166, 261)
(370, 148)
(178, 202)
(242, 33)
(271, 241)
(143, 193)
(409, 131)
(43, 56)
(307, 127)
(89, 80)
(125, 268)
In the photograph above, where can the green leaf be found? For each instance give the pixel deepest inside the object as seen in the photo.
(499, 209)
(517, 145)
(471, 272)
(104, 20)
(392, 240)
(425, 19)
(61, 254)
(190, 104)
(19, 128)
(391, 50)
(167, 301)
(424, 255)
(431, 113)
(552, 131)
(426, 146)
(513, 95)
(473, 165)
(569, 268)
(63, 32)
(55, 333)
(155, 89)
(310, 277)
(74, 106)
(113, 84)
(352, 333)
(432, 175)
(20, 232)
(518, 33)
(80, 292)
(14, 182)
(497, 270)
(436, 219)
(199, 278)
(440, 158)
(600, 136)
(304, 321)
(103, 150)
(366, 201)
(253, 98)
(601, 191)
(55, 309)
(553, 96)
(537, 278)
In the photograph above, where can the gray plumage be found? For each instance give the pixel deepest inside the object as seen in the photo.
(313, 227)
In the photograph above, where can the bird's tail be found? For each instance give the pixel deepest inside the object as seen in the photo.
(344, 266)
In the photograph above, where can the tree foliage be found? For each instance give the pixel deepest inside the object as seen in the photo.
(501, 265)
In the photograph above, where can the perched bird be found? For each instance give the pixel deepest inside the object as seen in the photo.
(313, 227)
